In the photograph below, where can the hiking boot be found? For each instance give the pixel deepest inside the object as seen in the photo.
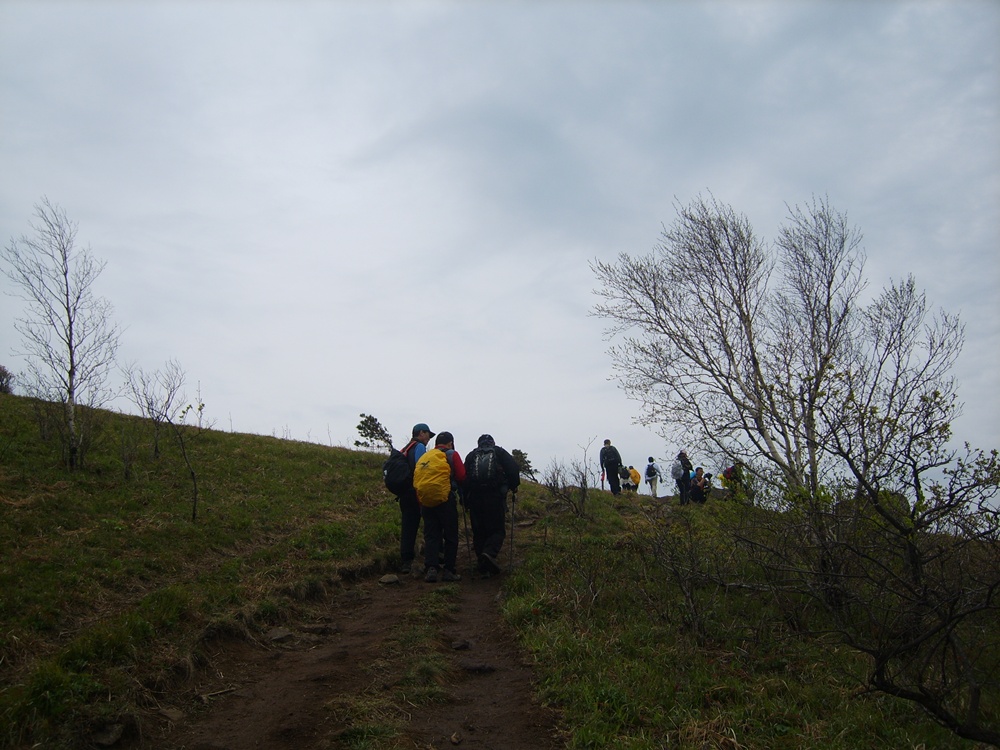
(447, 575)
(405, 568)
(432, 575)
(488, 564)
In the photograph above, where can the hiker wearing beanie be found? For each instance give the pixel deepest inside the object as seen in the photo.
(490, 473)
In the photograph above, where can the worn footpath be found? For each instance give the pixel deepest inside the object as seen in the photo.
(280, 692)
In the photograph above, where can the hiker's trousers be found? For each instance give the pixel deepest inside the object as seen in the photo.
(441, 531)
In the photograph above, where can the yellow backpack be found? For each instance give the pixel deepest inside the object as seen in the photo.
(432, 478)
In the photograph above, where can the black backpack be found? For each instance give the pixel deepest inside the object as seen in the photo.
(397, 471)
(650, 471)
(483, 469)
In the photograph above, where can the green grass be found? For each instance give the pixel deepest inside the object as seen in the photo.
(108, 589)
(634, 661)
(107, 583)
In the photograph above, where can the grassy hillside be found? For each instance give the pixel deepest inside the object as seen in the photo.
(643, 646)
(107, 584)
(109, 589)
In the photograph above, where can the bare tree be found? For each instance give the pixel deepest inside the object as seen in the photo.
(568, 488)
(771, 357)
(157, 394)
(179, 430)
(160, 398)
(730, 355)
(70, 341)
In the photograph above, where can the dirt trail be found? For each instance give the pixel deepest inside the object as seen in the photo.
(276, 696)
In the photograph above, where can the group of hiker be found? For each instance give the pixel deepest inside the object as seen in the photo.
(430, 484)
(622, 478)
(693, 484)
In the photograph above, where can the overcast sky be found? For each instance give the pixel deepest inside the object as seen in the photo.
(327, 208)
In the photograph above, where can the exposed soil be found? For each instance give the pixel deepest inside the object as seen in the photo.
(277, 694)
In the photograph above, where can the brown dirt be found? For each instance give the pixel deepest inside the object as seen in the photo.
(276, 694)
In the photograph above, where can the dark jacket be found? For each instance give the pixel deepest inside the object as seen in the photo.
(610, 457)
(510, 474)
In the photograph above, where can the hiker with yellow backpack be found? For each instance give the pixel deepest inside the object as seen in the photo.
(436, 477)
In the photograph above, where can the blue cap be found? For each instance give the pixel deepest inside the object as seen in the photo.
(421, 427)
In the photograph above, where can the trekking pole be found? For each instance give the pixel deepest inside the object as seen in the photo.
(510, 555)
(468, 542)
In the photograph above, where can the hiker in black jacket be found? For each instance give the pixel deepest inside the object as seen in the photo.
(490, 473)
(409, 508)
(611, 460)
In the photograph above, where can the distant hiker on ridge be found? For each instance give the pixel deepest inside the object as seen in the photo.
(681, 472)
(653, 476)
(626, 478)
(611, 459)
(700, 486)
(635, 478)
